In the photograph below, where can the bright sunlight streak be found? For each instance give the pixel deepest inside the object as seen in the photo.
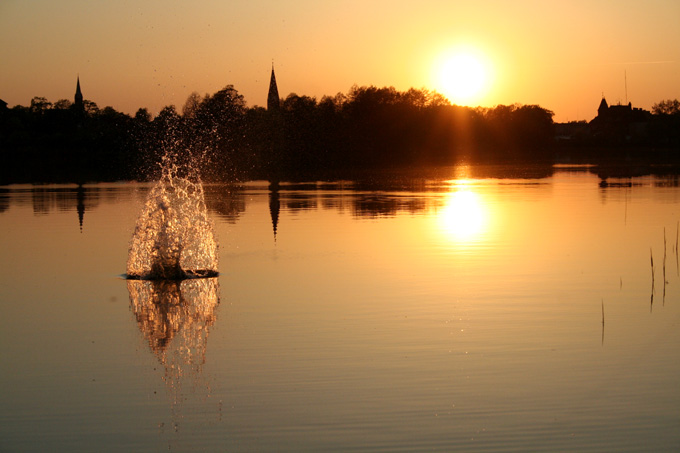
(463, 76)
(463, 216)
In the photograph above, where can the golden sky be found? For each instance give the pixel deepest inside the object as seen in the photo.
(562, 55)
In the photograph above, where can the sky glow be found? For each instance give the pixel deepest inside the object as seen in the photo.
(129, 54)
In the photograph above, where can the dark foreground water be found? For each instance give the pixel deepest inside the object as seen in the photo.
(478, 310)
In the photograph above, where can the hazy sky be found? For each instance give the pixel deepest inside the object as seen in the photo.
(562, 55)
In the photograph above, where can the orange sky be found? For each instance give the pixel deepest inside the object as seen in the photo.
(132, 54)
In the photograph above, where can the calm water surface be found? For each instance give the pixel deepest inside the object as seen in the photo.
(460, 311)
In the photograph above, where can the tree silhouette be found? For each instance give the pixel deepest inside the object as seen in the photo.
(40, 105)
(217, 129)
(667, 107)
(365, 129)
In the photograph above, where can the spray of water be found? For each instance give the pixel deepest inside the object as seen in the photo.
(173, 238)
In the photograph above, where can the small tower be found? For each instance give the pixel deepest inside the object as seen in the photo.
(603, 109)
(78, 100)
(273, 101)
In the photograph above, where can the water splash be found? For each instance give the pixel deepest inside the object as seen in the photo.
(174, 237)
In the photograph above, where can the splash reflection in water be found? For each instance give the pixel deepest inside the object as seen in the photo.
(175, 318)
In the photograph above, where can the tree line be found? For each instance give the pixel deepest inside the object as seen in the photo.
(366, 128)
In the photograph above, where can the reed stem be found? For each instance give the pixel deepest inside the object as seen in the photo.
(664, 256)
(651, 259)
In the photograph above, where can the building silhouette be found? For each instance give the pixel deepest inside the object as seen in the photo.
(626, 112)
(273, 101)
(78, 98)
(620, 123)
(274, 162)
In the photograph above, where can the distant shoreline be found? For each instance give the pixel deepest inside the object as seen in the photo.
(604, 167)
(299, 137)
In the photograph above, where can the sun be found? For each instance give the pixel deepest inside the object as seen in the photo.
(463, 76)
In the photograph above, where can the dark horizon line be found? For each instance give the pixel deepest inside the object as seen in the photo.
(433, 91)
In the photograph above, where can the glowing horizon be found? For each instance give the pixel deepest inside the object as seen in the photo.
(561, 57)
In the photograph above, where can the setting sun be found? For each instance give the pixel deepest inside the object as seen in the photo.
(463, 77)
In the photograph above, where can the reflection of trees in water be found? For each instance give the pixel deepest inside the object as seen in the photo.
(296, 202)
(81, 199)
(226, 201)
(4, 200)
(46, 200)
(175, 318)
(368, 194)
(380, 193)
(388, 205)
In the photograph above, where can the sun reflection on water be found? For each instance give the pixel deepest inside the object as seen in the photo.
(464, 216)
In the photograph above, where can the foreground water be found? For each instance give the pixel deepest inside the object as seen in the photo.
(475, 309)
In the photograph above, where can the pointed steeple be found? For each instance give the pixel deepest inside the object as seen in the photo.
(603, 108)
(273, 101)
(78, 100)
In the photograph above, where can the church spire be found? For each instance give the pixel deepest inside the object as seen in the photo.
(603, 108)
(273, 100)
(78, 100)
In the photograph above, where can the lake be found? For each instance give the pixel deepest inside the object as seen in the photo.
(467, 308)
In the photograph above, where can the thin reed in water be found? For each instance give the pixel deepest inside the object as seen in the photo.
(664, 257)
(651, 297)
